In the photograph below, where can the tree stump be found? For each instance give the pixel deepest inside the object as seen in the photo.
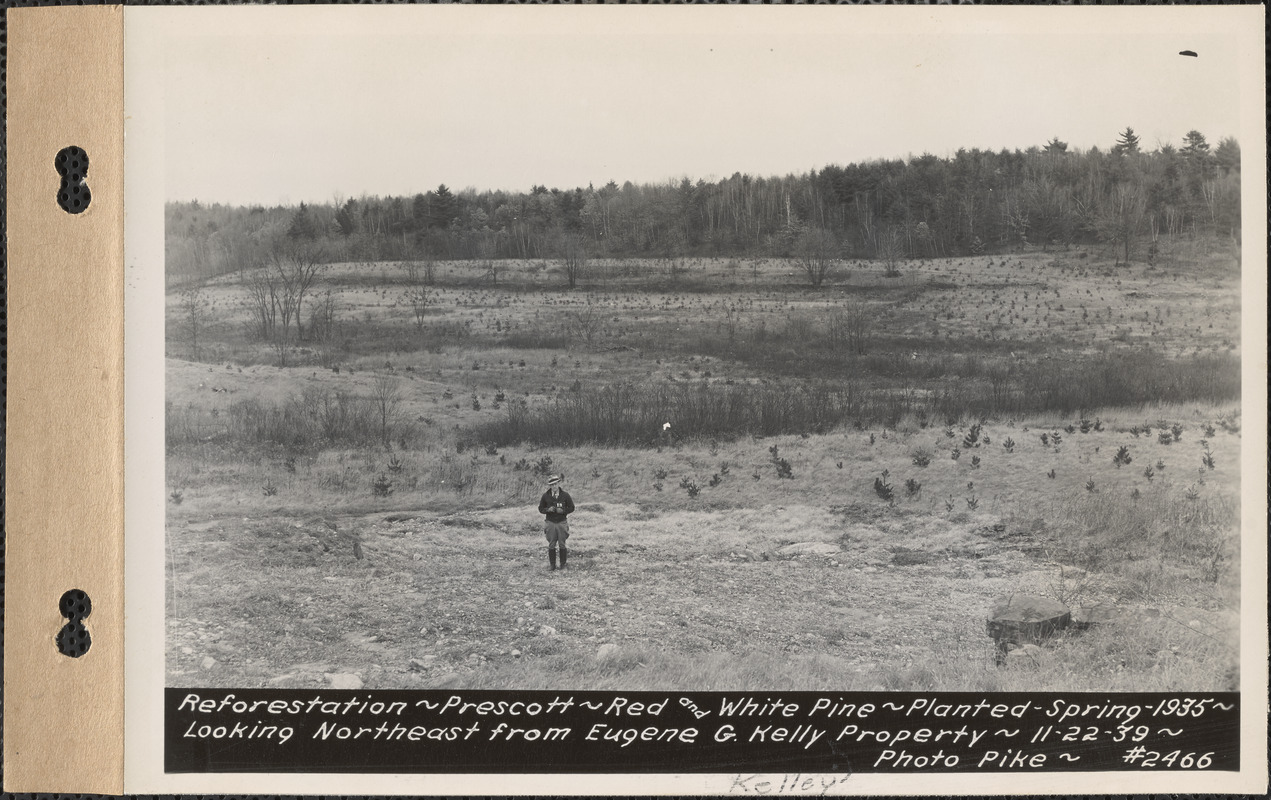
(1024, 619)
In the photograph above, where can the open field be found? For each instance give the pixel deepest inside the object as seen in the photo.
(956, 446)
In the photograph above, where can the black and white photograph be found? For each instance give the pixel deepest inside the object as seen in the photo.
(632, 352)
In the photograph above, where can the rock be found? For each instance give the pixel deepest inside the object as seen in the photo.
(208, 662)
(279, 680)
(546, 630)
(189, 651)
(344, 680)
(516, 653)
(447, 681)
(606, 652)
(1024, 619)
(421, 663)
(808, 549)
(1085, 617)
(1027, 656)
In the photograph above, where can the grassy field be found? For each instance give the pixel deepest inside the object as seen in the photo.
(968, 439)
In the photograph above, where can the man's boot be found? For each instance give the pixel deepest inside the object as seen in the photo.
(551, 556)
(564, 555)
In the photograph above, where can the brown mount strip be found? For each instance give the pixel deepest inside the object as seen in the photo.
(63, 717)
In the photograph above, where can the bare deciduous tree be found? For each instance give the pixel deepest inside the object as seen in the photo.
(386, 396)
(323, 323)
(586, 322)
(262, 298)
(194, 313)
(296, 269)
(486, 260)
(417, 298)
(573, 257)
(816, 250)
(322, 317)
(1119, 218)
(847, 327)
(891, 249)
(276, 293)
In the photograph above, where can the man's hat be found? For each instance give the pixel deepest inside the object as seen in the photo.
(554, 480)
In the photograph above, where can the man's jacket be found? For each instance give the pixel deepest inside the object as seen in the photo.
(548, 505)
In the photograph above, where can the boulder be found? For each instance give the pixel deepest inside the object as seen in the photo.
(606, 652)
(546, 630)
(1025, 619)
(208, 662)
(344, 680)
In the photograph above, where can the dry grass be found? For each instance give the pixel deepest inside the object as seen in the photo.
(468, 595)
(717, 606)
(689, 586)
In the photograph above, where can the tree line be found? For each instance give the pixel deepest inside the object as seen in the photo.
(972, 202)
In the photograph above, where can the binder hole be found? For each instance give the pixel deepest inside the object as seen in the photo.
(73, 639)
(75, 603)
(72, 164)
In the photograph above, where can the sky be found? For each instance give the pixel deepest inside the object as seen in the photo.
(262, 107)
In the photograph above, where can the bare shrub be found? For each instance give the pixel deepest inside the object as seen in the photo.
(816, 250)
(385, 396)
(310, 421)
(194, 312)
(633, 414)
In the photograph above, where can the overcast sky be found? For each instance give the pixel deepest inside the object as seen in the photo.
(267, 107)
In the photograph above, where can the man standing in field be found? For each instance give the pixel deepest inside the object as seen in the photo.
(557, 505)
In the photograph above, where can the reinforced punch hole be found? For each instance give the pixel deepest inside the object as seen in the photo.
(73, 640)
(72, 164)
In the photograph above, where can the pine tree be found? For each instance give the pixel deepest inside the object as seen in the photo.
(303, 225)
(1228, 155)
(347, 218)
(1195, 146)
(443, 207)
(1128, 144)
